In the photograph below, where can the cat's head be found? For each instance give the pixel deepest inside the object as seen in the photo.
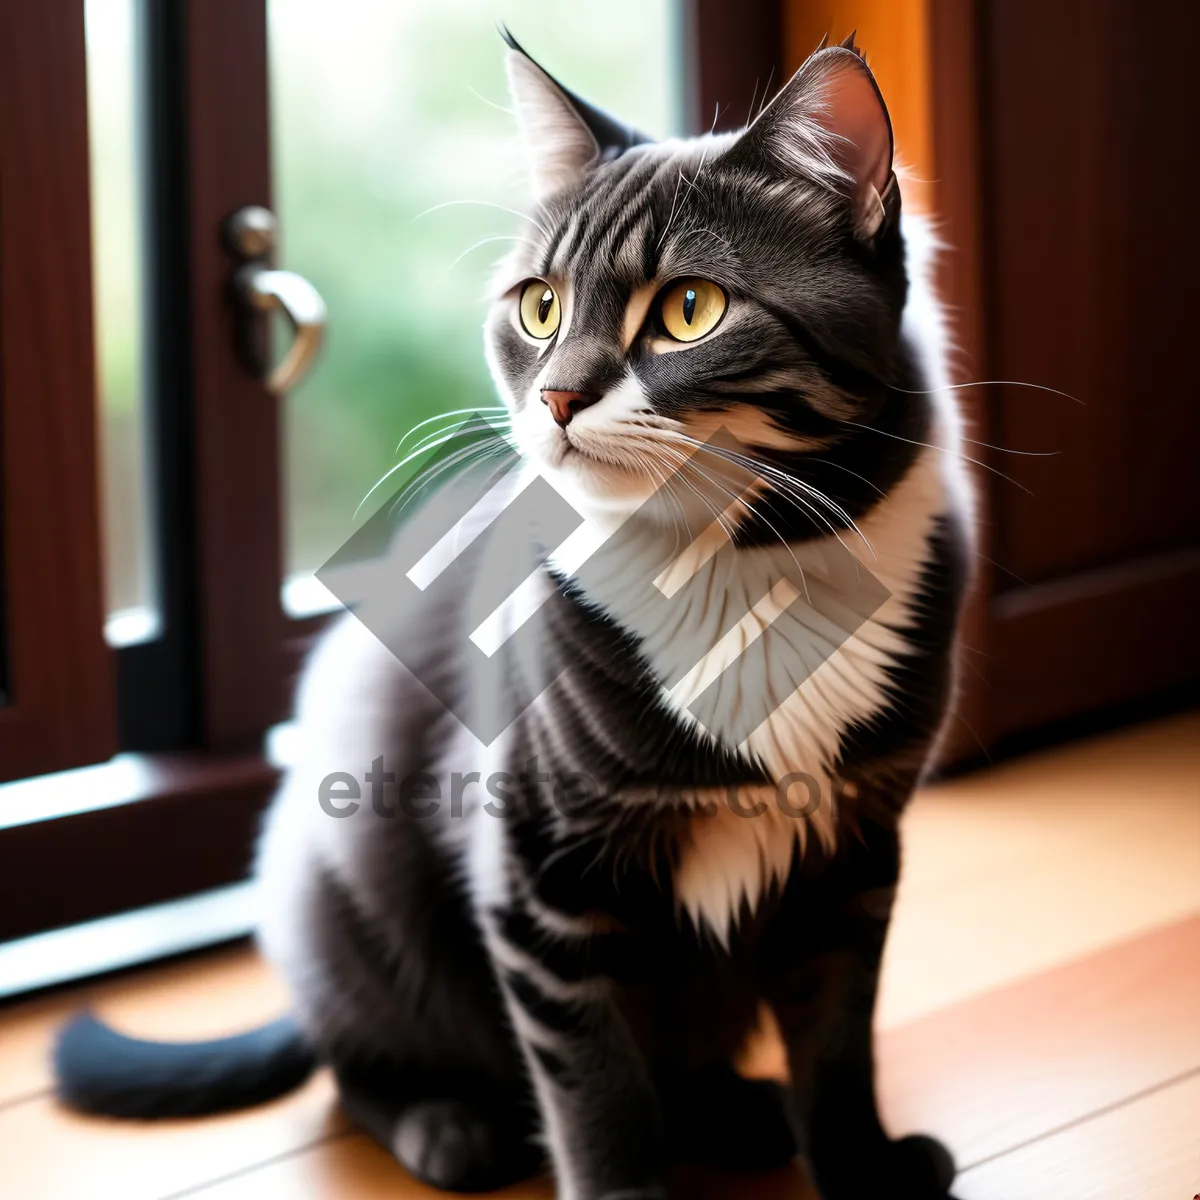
(662, 291)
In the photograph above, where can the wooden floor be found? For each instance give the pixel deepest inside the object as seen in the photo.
(1040, 1012)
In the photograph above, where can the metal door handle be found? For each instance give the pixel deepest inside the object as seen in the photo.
(267, 289)
(261, 288)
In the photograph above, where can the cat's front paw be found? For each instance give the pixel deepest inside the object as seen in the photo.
(914, 1168)
(458, 1147)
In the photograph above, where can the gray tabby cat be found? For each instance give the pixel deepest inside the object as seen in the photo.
(511, 974)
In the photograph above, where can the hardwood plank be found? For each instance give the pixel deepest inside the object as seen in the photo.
(222, 992)
(53, 1154)
(1144, 1150)
(1013, 870)
(352, 1166)
(987, 1073)
(356, 1166)
(994, 1072)
(987, 1076)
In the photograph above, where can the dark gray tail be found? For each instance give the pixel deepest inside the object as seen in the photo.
(102, 1071)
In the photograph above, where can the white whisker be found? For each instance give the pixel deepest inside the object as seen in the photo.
(499, 237)
(784, 485)
(456, 458)
(499, 425)
(490, 103)
(943, 450)
(454, 412)
(484, 204)
(403, 463)
(958, 387)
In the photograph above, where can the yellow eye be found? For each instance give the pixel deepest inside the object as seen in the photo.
(540, 310)
(691, 308)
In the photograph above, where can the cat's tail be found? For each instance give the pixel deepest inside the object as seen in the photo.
(101, 1071)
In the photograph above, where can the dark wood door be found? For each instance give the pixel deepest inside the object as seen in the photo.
(1092, 170)
(1069, 173)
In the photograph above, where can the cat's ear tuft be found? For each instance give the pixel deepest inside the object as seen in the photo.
(829, 122)
(564, 136)
(559, 148)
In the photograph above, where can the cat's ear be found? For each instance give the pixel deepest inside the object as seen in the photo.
(829, 121)
(564, 136)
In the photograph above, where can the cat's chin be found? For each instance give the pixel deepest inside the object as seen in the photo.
(592, 477)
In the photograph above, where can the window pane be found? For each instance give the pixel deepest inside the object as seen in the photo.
(117, 264)
(388, 126)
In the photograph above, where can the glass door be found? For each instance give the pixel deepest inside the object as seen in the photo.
(378, 135)
(395, 170)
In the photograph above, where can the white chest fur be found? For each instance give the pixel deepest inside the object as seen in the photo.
(732, 856)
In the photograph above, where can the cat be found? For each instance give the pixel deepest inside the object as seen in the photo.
(511, 977)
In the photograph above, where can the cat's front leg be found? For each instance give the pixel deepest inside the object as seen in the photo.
(823, 998)
(600, 1113)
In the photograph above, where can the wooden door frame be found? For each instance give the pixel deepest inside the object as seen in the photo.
(58, 708)
(236, 419)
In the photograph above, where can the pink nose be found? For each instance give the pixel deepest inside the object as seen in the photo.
(564, 405)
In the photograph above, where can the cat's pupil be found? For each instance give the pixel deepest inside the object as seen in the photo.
(689, 305)
(544, 306)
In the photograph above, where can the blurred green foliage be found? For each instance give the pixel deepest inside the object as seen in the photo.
(382, 111)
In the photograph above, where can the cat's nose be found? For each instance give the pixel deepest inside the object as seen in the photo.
(564, 405)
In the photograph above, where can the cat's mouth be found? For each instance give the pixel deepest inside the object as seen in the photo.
(561, 449)
(595, 468)
(590, 455)
(565, 448)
